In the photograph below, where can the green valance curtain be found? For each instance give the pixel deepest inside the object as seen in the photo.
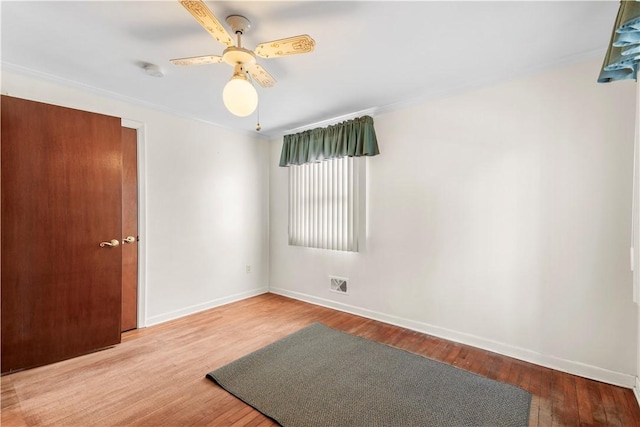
(353, 138)
(623, 55)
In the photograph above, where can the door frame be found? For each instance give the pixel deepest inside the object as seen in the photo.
(142, 216)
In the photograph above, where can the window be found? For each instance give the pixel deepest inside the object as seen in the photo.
(325, 204)
(326, 183)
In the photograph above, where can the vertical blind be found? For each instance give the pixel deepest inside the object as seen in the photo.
(324, 203)
(623, 55)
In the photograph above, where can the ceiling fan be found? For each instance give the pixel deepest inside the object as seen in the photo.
(239, 95)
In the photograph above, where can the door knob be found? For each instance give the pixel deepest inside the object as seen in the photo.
(113, 243)
(128, 239)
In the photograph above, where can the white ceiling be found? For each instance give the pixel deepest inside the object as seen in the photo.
(370, 56)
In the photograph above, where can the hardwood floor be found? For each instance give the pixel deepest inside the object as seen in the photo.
(156, 377)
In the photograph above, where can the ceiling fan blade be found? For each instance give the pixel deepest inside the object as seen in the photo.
(197, 60)
(261, 75)
(289, 46)
(210, 23)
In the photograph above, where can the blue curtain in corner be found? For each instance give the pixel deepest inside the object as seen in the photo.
(353, 138)
(623, 54)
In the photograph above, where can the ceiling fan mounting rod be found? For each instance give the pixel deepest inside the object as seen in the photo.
(239, 24)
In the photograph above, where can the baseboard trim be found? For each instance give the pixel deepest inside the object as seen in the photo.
(568, 366)
(172, 315)
(636, 390)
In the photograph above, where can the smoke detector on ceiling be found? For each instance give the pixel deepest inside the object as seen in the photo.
(153, 70)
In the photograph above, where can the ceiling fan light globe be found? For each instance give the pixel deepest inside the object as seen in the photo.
(240, 97)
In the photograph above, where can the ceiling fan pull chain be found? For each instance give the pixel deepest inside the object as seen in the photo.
(258, 127)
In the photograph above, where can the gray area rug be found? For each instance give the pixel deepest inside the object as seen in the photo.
(322, 377)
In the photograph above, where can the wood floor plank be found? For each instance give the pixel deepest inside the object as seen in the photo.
(585, 410)
(545, 414)
(632, 404)
(156, 376)
(534, 388)
(599, 414)
(10, 410)
(455, 355)
(505, 369)
(627, 416)
(493, 366)
(611, 409)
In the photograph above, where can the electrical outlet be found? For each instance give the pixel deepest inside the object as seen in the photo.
(248, 269)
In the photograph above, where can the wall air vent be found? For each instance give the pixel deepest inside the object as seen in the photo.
(338, 284)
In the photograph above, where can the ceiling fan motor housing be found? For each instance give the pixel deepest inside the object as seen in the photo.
(238, 55)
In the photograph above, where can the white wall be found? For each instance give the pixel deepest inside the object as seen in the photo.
(636, 237)
(500, 218)
(206, 202)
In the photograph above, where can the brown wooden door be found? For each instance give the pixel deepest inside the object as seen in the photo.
(129, 229)
(61, 197)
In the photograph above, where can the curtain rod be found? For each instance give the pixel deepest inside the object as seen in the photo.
(332, 121)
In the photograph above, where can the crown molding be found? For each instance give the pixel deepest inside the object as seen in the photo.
(278, 132)
(467, 86)
(29, 72)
